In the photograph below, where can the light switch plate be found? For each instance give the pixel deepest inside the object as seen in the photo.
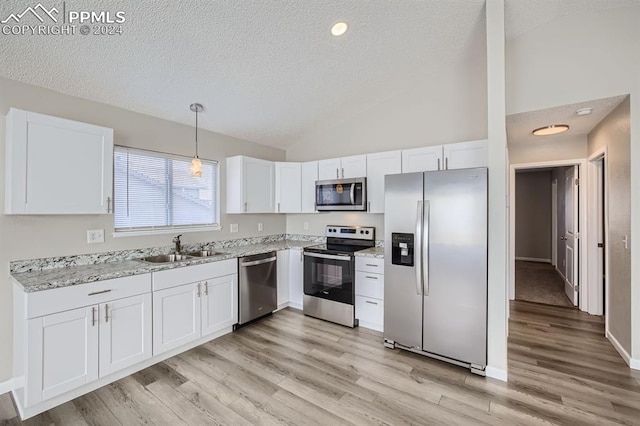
(233, 227)
(306, 226)
(260, 227)
(95, 236)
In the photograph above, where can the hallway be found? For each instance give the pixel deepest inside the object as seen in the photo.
(540, 283)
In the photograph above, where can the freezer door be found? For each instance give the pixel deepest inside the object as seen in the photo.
(455, 256)
(403, 284)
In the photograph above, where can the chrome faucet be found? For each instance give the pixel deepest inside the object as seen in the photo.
(176, 241)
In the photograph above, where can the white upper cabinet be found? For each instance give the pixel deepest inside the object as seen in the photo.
(422, 159)
(250, 185)
(57, 166)
(342, 168)
(308, 186)
(378, 166)
(465, 155)
(288, 188)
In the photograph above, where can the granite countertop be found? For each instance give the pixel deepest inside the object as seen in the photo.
(377, 252)
(62, 277)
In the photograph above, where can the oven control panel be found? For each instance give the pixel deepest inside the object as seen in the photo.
(353, 232)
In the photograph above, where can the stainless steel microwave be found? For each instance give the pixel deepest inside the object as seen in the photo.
(341, 194)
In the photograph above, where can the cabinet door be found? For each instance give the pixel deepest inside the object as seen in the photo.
(370, 312)
(67, 166)
(465, 155)
(288, 187)
(125, 333)
(62, 353)
(219, 303)
(378, 166)
(354, 166)
(329, 169)
(308, 186)
(258, 178)
(176, 317)
(283, 278)
(425, 159)
(296, 277)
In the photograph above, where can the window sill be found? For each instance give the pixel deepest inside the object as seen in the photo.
(139, 233)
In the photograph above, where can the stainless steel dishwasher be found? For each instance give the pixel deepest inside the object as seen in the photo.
(257, 286)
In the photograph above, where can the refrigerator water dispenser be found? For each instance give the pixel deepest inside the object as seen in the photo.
(402, 249)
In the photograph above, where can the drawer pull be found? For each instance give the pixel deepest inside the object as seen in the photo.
(370, 302)
(370, 277)
(99, 292)
(372, 264)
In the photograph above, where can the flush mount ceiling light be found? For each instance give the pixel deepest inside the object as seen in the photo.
(339, 28)
(584, 111)
(552, 129)
(196, 164)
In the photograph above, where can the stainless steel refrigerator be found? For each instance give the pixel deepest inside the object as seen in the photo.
(435, 272)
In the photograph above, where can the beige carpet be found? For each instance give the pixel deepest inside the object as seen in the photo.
(540, 283)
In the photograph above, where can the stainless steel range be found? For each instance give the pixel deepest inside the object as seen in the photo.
(329, 273)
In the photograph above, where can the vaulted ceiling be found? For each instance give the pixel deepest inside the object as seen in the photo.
(266, 71)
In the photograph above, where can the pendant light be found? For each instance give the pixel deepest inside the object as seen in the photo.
(196, 164)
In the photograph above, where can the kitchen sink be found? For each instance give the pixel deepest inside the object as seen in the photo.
(203, 253)
(166, 258)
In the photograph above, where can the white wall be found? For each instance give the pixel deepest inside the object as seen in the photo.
(570, 149)
(26, 237)
(575, 59)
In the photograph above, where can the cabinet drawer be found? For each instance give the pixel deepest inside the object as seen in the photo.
(370, 285)
(370, 264)
(370, 312)
(63, 299)
(192, 274)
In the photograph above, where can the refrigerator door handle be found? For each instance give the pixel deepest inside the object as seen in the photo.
(418, 247)
(425, 249)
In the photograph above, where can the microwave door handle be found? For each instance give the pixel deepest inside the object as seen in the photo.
(352, 192)
(418, 247)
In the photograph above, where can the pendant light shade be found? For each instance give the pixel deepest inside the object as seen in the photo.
(196, 164)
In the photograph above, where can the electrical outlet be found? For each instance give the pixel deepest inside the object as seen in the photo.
(260, 227)
(95, 236)
(233, 227)
(306, 226)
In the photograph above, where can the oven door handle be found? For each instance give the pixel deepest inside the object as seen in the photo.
(328, 256)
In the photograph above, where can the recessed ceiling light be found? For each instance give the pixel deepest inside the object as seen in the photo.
(552, 129)
(584, 111)
(339, 28)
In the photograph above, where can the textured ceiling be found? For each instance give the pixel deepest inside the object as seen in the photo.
(266, 71)
(520, 126)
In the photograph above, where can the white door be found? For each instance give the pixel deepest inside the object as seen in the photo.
(296, 278)
(69, 166)
(283, 278)
(425, 159)
(329, 169)
(308, 186)
(571, 206)
(353, 167)
(63, 353)
(125, 333)
(288, 188)
(258, 185)
(465, 155)
(176, 317)
(219, 303)
(378, 166)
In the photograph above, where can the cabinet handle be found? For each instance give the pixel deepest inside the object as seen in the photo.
(337, 173)
(198, 292)
(245, 206)
(371, 264)
(99, 292)
(93, 316)
(370, 277)
(438, 164)
(278, 206)
(106, 312)
(206, 288)
(446, 163)
(342, 173)
(108, 204)
(368, 206)
(370, 302)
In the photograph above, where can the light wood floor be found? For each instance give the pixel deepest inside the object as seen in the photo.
(291, 369)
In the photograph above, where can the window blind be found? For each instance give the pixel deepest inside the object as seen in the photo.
(156, 191)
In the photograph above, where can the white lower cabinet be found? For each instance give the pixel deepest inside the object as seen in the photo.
(176, 317)
(296, 278)
(370, 292)
(219, 304)
(283, 278)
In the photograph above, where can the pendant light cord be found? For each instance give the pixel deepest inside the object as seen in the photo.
(196, 132)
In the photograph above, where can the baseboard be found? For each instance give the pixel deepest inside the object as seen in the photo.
(496, 373)
(561, 274)
(623, 353)
(534, 259)
(8, 386)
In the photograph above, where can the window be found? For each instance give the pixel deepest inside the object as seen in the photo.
(154, 191)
